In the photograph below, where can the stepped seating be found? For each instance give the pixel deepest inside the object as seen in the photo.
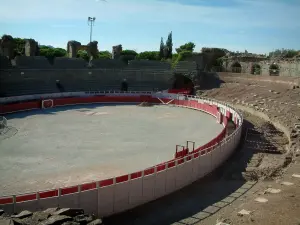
(5, 63)
(28, 88)
(108, 64)
(149, 64)
(32, 62)
(186, 66)
(69, 63)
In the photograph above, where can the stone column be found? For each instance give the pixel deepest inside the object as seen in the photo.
(93, 50)
(31, 47)
(7, 45)
(116, 51)
(72, 48)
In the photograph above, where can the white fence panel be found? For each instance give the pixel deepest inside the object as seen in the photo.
(181, 175)
(189, 171)
(46, 203)
(149, 187)
(8, 208)
(28, 205)
(170, 180)
(121, 199)
(160, 184)
(206, 164)
(216, 155)
(136, 192)
(88, 200)
(196, 166)
(106, 200)
(69, 201)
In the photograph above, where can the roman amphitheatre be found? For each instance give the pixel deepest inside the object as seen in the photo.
(191, 144)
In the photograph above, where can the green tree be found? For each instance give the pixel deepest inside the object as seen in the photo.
(169, 46)
(161, 48)
(104, 55)
(129, 52)
(19, 46)
(52, 53)
(127, 55)
(150, 55)
(182, 56)
(83, 55)
(189, 47)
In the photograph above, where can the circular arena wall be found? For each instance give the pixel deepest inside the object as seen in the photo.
(118, 194)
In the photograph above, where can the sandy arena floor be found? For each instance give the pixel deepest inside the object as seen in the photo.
(71, 145)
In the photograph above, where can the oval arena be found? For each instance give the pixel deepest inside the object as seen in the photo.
(136, 155)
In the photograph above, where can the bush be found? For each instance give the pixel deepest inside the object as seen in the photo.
(150, 55)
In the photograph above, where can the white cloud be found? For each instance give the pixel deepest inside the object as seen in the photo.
(248, 13)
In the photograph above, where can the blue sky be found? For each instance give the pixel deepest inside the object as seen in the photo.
(255, 25)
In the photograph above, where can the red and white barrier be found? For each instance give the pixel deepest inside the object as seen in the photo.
(110, 196)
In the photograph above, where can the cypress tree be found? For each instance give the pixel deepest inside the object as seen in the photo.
(169, 45)
(161, 49)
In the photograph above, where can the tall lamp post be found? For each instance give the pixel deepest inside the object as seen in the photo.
(91, 22)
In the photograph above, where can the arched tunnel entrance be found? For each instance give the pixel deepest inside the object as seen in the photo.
(236, 67)
(256, 69)
(274, 70)
(182, 84)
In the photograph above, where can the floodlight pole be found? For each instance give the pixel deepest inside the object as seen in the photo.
(91, 22)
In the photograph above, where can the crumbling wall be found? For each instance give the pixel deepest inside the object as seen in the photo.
(31, 47)
(72, 48)
(7, 46)
(285, 67)
(93, 50)
(116, 51)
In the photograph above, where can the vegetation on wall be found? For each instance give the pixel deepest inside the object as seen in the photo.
(127, 55)
(104, 55)
(284, 53)
(51, 53)
(83, 54)
(19, 46)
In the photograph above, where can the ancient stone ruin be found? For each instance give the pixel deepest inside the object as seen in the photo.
(116, 51)
(72, 48)
(31, 47)
(7, 45)
(93, 49)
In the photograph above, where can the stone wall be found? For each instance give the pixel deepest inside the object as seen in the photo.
(7, 46)
(20, 81)
(263, 67)
(116, 51)
(31, 47)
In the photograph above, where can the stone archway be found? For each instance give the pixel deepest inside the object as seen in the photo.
(256, 69)
(236, 67)
(274, 70)
(182, 82)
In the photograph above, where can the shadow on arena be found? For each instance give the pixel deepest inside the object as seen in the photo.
(199, 200)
